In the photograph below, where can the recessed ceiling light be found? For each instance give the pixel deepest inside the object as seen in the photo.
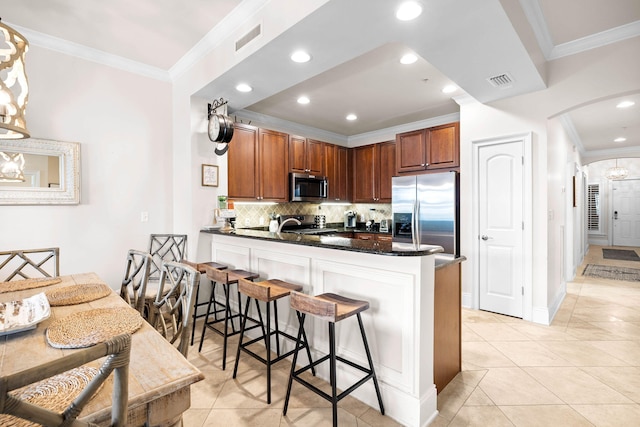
(408, 10)
(626, 104)
(243, 87)
(449, 89)
(300, 56)
(409, 58)
(351, 117)
(303, 100)
(621, 139)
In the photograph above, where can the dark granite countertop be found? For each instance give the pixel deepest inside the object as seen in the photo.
(442, 260)
(333, 242)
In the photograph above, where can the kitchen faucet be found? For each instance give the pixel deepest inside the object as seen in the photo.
(287, 220)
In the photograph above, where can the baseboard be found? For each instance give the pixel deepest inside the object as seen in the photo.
(544, 315)
(467, 300)
(557, 301)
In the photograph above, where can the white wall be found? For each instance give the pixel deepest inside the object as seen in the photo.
(596, 172)
(573, 81)
(123, 123)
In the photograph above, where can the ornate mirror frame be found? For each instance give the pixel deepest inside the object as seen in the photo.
(68, 192)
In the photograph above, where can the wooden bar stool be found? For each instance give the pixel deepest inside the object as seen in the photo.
(202, 268)
(332, 308)
(226, 278)
(267, 291)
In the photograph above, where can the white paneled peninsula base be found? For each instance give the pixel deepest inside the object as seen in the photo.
(399, 322)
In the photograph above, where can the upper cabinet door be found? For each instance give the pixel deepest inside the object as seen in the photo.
(444, 146)
(242, 163)
(387, 171)
(364, 174)
(336, 169)
(428, 149)
(306, 155)
(315, 157)
(411, 151)
(273, 151)
(297, 154)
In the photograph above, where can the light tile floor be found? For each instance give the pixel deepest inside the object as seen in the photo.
(582, 370)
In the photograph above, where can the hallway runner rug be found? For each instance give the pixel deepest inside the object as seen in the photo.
(612, 272)
(620, 254)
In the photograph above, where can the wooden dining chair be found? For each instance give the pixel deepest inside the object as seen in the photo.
(172, 312)
(136, 277)
(29, 264)
(165, 247)
(117, 349)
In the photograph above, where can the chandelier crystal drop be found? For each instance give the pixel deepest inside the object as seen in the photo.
(616, 173)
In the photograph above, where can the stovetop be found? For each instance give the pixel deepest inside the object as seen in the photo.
(307, 225)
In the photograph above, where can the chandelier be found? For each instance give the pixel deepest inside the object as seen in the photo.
(616, 173)
(14, 88)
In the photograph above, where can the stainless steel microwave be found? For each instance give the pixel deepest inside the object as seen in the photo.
(308, 188)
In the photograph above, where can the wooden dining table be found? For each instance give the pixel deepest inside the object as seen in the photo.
(159, 376)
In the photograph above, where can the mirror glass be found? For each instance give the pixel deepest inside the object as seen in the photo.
(51, 172)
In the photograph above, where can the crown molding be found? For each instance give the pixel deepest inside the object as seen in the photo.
(568, 126)
(593, 41)
(291, 127)
(535, 16)
(217, 35)
(611, 153)
(66, 47)
(533, 12)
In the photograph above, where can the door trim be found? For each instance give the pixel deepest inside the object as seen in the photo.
(527, 217)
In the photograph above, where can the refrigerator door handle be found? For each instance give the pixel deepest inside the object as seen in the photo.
(415, 234)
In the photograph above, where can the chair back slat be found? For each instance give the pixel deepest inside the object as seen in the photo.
(29, 264)
(136, 277)
(172, 312)
(166, 247)
(118, 349)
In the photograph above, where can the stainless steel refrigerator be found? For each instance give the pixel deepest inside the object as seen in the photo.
(426, 210)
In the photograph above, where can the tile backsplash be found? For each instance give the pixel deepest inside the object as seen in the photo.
(258, 215)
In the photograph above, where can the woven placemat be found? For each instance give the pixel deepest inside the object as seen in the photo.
(77, 294)
(91, 327)
(21, 285)
(55, 393)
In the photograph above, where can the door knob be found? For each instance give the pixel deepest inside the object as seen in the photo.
(485, 237)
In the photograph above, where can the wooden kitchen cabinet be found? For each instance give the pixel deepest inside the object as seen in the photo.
(376, 237)
(337, 171)
(428, 149)
(255, 164)
(242, 161)
(306, 155)
(373, 168)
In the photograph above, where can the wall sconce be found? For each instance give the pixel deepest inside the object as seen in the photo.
(14, 88)
(11, 167)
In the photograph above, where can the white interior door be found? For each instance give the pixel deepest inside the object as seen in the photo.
(500, 203)
(626, 212)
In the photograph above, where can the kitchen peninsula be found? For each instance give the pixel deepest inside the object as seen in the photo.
(399, 284)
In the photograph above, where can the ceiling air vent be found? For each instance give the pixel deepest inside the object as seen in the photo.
(242, 41)
(501, 80)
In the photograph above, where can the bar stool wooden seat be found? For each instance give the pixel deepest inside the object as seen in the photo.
(202, 268)
(226, 278)
(269, 292)
(332, 308)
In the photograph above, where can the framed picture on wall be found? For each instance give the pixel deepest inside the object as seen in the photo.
(209, 175)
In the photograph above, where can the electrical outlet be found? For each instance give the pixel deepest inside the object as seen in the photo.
(144, 216)
(247, 222)
(261, 221)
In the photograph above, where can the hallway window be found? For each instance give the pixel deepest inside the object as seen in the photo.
(593, 206)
